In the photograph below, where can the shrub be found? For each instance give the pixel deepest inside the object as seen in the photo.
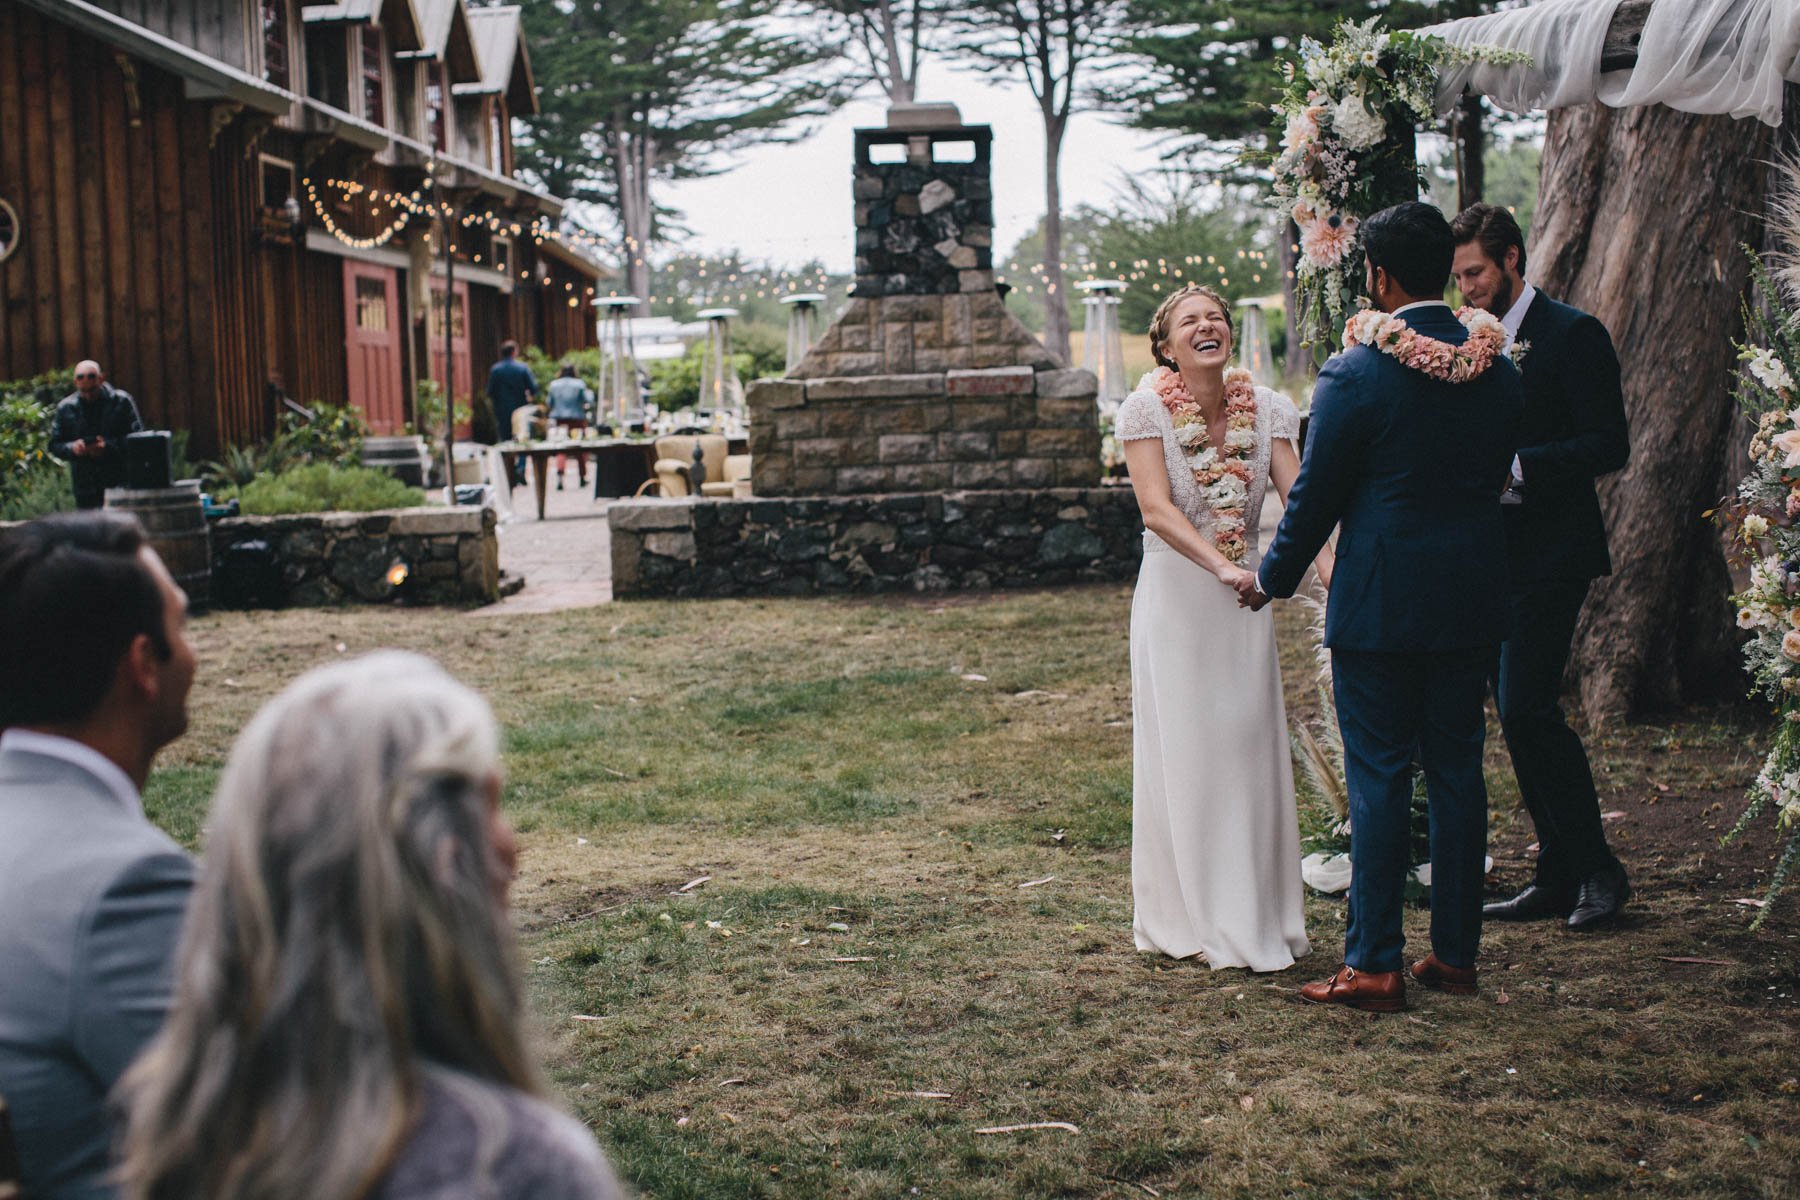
(40, 489)
(27, 407)
(323, 487)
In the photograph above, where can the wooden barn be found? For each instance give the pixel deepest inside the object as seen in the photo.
(229, 201)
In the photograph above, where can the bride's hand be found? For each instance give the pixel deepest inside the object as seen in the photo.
(1238, 580)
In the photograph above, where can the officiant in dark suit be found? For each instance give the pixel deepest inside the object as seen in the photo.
(1573, 432)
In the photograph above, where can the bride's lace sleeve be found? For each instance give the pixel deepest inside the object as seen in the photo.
(1284, 418)
(1137, 417)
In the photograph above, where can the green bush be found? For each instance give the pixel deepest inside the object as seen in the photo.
(45, 389)
(37, 491)
(323, 487)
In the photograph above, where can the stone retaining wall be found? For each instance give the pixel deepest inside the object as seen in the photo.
(909, 542)
(452, 555)
(999, 427)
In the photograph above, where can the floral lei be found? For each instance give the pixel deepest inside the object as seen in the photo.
(1438, 359)
(1223, 476)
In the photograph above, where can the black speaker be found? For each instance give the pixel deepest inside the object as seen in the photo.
(149, 459)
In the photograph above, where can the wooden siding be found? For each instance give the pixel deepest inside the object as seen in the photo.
(220, 29)
(134, 229)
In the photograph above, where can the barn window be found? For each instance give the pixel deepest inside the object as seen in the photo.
(276, 67)
(373, 108)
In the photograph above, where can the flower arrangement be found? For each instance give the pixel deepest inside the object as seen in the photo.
(1766, 520)
(1347, 116)
(1221, 473)
(1439, 359)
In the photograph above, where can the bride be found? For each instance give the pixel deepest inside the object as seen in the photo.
(1215, 847)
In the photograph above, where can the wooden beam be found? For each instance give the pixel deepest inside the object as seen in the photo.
(1620, 50)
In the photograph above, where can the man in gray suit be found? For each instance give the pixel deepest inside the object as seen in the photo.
(96, 672)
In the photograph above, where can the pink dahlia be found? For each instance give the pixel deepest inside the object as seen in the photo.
(1326, 240)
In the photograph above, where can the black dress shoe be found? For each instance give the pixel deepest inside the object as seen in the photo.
(1600, 899)
(1535, 903)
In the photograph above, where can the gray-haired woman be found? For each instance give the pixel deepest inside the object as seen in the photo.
(347, 1020)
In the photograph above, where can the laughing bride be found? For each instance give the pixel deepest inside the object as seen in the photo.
(1215, 854)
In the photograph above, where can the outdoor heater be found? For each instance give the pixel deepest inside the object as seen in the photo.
(801, 307)
(1254, 352)
(619, 378)
(720, 390)
(1102, 352)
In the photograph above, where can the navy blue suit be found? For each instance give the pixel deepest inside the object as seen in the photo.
(1410, 470)
(1573, 431)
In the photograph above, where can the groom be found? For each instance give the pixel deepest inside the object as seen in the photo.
(1411, 467)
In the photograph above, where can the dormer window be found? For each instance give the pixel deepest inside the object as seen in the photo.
(276, 67)
(437, 129)
(374, 109)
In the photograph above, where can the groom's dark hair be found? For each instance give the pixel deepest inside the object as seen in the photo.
(1411, 242)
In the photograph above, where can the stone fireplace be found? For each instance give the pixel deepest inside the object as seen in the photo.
(926, 382)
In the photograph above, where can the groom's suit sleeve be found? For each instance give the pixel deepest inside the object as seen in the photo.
(1336, 445)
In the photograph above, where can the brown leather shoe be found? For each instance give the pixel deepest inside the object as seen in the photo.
(1383, 991)
(1457, 981)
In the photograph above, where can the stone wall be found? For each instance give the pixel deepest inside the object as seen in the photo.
(452, 556)
(929, 542)
(1001, 427)
(900, 335)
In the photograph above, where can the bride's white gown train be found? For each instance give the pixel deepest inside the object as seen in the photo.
(1215, 844)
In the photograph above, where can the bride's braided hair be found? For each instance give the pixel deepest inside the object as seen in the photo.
(1159, 324)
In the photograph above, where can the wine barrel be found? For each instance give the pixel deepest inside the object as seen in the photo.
(177, 530)
(402, 457)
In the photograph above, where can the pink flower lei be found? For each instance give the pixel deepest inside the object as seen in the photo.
(1438, 359)
(1223, 473)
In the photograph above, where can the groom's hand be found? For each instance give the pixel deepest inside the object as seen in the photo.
(1249, 595)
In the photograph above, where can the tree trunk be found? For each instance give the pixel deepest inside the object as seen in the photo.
(1056, 304)
(1658, 263)
(1471, 151)
(632, 167)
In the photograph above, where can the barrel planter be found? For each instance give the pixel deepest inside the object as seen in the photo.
(177, 529)
(404, 458)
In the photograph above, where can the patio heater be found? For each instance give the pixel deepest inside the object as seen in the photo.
(1254, 352)
(720, 390)
(618, 378)
(1102, 352)
(801, 307)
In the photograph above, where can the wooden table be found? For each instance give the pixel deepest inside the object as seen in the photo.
(620, 465)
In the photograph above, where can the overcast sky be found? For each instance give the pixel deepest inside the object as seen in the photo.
(788, 204)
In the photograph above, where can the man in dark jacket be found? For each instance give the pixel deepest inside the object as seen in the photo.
(1573, 432)
(89, 434)
(1407, 465)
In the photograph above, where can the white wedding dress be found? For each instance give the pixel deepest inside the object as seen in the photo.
(1215, 844)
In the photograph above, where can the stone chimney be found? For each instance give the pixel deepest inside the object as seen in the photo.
(926, 382)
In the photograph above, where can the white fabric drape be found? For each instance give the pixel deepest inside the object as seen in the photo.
(1699, 56)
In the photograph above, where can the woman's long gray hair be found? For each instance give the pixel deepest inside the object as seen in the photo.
(348, 921)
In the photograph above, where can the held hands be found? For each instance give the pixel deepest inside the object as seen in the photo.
(1244, 584)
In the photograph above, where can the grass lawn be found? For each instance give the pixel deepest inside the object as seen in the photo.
(865, 981)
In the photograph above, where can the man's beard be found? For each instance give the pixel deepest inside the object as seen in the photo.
(1502, 301)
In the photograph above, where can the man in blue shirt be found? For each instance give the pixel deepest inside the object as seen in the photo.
(511, 386)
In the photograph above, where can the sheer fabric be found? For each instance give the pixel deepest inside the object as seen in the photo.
(1698, 56)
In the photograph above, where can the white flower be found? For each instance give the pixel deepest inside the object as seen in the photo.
(1756, 526)
(1228, 492)
(1370, 326)
(1481, 320)
(1355, 125)
(1747, 618)
(1188, 435)
(1240, 439)
(1370, 58)
(1769, 370)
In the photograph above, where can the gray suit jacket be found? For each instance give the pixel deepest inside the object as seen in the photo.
(91, 901)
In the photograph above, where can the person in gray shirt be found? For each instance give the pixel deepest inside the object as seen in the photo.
(349, 1014)
(571, 408)
(96, 671)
